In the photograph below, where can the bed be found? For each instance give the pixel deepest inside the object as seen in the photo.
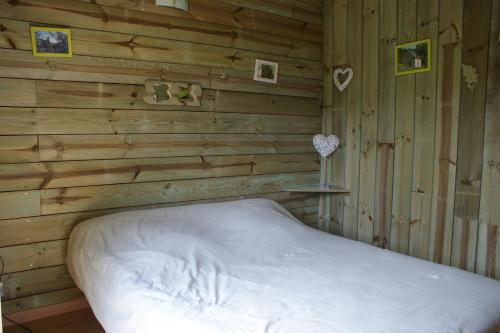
(249, 266)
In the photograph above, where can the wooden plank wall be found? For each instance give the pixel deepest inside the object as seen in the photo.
(421, 152)
(77, 141)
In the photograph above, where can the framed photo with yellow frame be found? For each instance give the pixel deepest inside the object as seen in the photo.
(413, 57)
(51, 42)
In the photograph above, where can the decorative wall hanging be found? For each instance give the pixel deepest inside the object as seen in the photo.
(325, 145)
(180, 4)
(348, 73)
(413, 57)
(266, 71)
(471, 76)
(172, 93)
(51, 42)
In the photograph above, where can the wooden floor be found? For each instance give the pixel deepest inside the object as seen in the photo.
(82, 321)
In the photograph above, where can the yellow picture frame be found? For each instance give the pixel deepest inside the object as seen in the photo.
(52, 42)
(409, 61)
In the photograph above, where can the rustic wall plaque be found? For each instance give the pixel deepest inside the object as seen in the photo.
(173, 93)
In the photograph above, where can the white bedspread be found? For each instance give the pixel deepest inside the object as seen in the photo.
(247, 266)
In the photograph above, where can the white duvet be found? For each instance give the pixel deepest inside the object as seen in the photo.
(248, 266)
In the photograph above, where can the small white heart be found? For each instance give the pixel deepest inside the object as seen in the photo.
(325, 145)
(336, 79)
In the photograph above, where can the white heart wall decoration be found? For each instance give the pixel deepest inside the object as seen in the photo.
(325, 145)
(336, 77)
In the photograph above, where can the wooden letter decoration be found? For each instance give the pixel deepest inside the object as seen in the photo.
(172, 93)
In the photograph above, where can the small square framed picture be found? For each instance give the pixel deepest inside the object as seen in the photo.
(413, 57)
(51, 42)
(266, 71)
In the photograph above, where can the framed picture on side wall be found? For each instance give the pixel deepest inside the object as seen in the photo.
(413, 57)
(51, 42)
(266, 71)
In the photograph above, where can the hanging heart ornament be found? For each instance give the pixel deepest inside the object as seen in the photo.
(325, 145)
(336, 77)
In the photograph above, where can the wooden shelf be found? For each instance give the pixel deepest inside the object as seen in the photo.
(319, 189)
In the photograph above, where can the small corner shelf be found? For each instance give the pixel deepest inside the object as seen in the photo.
(320, 189)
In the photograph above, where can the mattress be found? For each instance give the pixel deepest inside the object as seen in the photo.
(249, 266)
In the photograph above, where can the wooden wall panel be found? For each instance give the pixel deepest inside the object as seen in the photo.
(16, 35)
(325, 213)
(41, 299)
(19, 204)
(75, 199)
(448, 96)
(72, 127)
(103, 121)
(36, 281)
(404, 131)
(385, 123)
(339, 101)
(488, 251)
(237, 15)
(302, 10)
(115, 19)
(85, 147)
(369, 114)
(353, 117)
(431, 183)
(425, 121)
(23, 93)
(42, 175)
(476, 28)
(32, 256)
(21, 148)
(21, 64)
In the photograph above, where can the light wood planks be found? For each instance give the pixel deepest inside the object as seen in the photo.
(448, 96)
(385, 124)
(87, 147)
(339, 115)
(425, 121)
(368, 148)
(403, 136)
(431, 186)
(21, 148)
(103, 121)
(238, 16)
(115, 19)
(22, 64)
(488, 251)
(19, 204)
(33, 256)
(325, 213)
(71, 125)
(470, 134)
(136, 47)
(23, 93)
(64, 94)
(353, 118)
(36, 281)
(34, 176)
(302, 10)
(56, 201)
(118, 96)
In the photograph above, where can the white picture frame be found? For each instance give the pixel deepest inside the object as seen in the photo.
(179, 4)
(266, 71)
